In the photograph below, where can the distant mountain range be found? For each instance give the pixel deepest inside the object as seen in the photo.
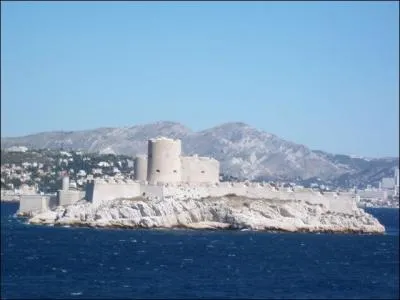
(244, 152)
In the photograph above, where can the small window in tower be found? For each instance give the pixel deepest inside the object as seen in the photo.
(158, 171)
(174, 171)
(202, 172)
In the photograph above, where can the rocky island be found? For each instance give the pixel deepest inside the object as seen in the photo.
(230, 212)
(175, 191)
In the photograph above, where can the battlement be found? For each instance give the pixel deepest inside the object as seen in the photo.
(163, 138)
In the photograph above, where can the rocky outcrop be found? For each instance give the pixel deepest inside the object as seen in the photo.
(211, 213)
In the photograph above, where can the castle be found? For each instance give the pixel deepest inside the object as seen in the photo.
(164, 163)
(164, 173)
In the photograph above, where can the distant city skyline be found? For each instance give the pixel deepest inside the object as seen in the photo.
(321, 74)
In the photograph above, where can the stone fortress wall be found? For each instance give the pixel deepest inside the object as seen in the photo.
(197, 169)
(100, 190)
(341, 203)
(38, 202)
(66, 196)
(165, 173)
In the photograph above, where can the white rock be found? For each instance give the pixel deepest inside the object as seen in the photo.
(211, 213)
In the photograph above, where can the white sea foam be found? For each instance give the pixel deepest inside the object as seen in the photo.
(188, 259)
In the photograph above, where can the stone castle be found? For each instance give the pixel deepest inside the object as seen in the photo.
(164, 173)
(164, 163)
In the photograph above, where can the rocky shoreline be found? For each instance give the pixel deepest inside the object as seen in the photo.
(223, 213)
(211, 227)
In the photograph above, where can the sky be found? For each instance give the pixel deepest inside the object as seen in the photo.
(321, 74)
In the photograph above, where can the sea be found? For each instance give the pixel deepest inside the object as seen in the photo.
(84, 263)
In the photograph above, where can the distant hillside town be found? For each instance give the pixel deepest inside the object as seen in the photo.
(41, 170)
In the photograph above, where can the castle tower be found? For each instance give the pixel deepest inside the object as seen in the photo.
(140, 168)
(164, 163)
(65, 183)
(396, 177)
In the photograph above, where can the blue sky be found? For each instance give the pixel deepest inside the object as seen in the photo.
(325, 75)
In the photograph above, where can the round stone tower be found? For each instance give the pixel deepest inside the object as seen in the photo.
(141, 168)
(65, 183)
(164, 160)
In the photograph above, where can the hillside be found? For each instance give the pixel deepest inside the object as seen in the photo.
(243, 151)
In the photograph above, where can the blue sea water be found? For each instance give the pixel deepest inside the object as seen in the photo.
(52, 263)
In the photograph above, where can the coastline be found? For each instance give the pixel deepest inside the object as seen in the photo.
(201, 227)
(222, 213)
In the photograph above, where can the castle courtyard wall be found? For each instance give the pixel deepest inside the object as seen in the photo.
(197, 169)
(99, 191)
(344, 202)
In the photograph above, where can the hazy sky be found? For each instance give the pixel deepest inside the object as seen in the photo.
(325, 75)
